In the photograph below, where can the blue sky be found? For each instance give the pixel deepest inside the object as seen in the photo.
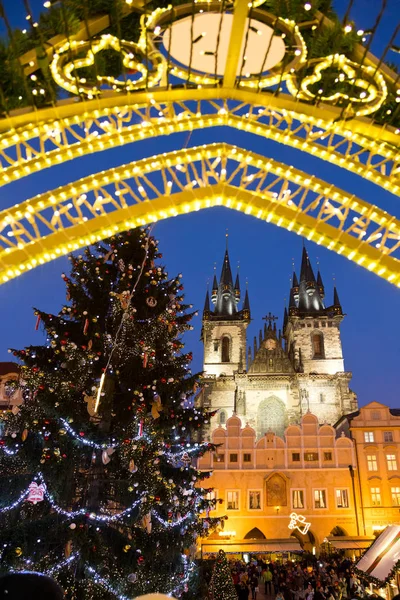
(192, 243)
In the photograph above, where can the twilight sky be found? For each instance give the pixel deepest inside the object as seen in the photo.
(191, 245)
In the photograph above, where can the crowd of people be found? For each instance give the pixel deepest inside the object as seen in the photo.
(330, 579)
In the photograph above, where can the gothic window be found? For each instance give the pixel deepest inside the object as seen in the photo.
(222, 417)
(225, 349)
(270, 362)
(271, 416)
(318, 345)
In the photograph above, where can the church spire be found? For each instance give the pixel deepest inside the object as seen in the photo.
(309, 300)
(337, 307)
(226, 303)
(320, 285)
(246, 306)
(207, 303)
(237, 289)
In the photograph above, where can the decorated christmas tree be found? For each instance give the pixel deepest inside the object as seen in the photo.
(221, 584)
(98, 484)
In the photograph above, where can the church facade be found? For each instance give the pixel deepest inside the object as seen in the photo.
(286, 372)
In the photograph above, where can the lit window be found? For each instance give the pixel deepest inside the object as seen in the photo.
(311, 456)
(296, 456)
(342, 499)
(212, 495)
(297, 498)
(225, 350)
(254, 500)
(388, 436)
(391, 462)
(372, 463)
(369, 436)
(232, 500)
(233, 458)
(395, 495)
(318, 345)
(376, 496)
(327, 455)
(319, 498)
(246, 457)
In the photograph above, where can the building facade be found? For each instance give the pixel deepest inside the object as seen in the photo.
(286, 373)
(375, 431)
(263, 482)
(9, 396)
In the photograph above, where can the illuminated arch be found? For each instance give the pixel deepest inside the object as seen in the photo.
(184, 181)
(57, 135)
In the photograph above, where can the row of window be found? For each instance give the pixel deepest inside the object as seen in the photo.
(296, 456)
(376, 497)
(298, 499)
(372, 462)
(369, 436)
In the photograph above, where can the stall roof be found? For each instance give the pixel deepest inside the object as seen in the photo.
(383, 555)
(236, 547)
(350, 543)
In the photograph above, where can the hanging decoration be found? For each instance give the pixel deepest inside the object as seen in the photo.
(36, 492)
(151, 301)
(366, 87)
(156, 407)
(65, 71)
(299, 522)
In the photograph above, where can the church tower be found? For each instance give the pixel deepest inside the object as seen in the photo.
(312, 330)
(287, 373)
(224, 328)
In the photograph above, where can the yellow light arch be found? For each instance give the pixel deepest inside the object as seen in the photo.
(185, 181)
(70, 131)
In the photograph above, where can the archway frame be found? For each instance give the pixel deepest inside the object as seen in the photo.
(31, 142)
(184, 181)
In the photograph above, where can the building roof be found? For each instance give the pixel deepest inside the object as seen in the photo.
(8, 367)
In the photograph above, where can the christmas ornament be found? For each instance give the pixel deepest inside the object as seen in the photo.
(126, 548)
(15, 410)
(124, 298)
(146, 523)
(145, 359)
(86, 326)
(91, 403)
(37, 322)
(156, 407)
(132, 467)
(36, 493)
(132, 578)
(72, 526)
(105, 458)
(24, 435)
(151, 301)
(18, 551)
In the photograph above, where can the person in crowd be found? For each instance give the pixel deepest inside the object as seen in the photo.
(243, 593)
(254, 586)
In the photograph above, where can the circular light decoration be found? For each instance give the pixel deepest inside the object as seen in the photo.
(366, 85)
(197, 45)
(66, 72)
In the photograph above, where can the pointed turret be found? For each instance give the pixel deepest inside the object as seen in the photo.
(237, 289)
(295, 286)
(226, 301)
(337, 307)
(246, 306)
(285, 319)
(309, 300)
(292, 304)
(207, 303)
(214, 291)
(320, 286)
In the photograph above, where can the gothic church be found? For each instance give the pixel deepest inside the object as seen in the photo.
(286, 373)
